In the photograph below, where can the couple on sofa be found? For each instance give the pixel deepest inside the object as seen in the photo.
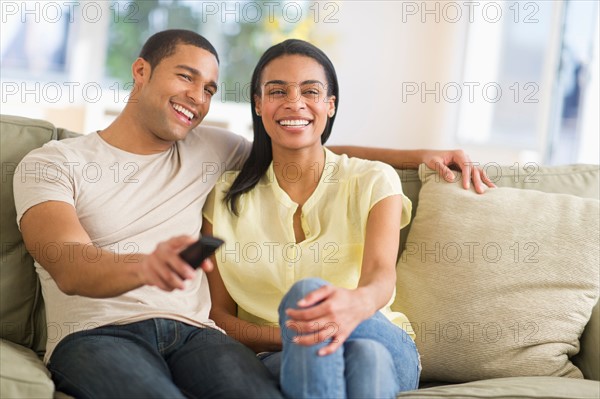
(137, 319)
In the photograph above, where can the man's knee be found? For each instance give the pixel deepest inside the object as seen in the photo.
(243, 375)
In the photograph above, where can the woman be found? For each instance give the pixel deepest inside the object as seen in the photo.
(311, 243)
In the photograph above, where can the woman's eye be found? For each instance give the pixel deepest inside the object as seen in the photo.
(276, 92)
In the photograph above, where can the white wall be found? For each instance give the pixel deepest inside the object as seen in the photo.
(381, 49)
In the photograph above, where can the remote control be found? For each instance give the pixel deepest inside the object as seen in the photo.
(200, 250)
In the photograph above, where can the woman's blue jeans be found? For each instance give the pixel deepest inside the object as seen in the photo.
(378, 360)
(158, 358)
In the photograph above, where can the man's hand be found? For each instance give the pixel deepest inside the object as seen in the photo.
(164, 268)
(442, 161)
(326, 313)
(108, 274)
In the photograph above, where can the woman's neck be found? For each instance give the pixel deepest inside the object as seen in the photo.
(298, 171)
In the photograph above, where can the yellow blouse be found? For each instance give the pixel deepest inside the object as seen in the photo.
(261, 260)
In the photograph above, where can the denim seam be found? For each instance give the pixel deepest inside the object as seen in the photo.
(419, 368)
(174, 342)
(65, 378)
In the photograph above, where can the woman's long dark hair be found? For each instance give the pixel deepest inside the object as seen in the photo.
(261, 156)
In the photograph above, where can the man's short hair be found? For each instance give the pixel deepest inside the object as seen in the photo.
(163, 44)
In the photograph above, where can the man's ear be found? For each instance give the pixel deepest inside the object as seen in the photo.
(141, 71)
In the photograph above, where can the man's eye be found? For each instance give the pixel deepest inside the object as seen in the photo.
(186, 77)
(210, 92)
(277, 92)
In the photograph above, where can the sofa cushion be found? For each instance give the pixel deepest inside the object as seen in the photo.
(580, 180)
(21, 305)
(513, 387)
(588, 360)
(23, 375)
(501, 284)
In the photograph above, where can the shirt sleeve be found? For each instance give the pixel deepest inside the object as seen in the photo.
(208, 210)
(382, 182)
(231, 149)
(44, 174)
(215, 198)
(239, 153)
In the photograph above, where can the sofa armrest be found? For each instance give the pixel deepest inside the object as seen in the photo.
(23, 375)
(588, 359)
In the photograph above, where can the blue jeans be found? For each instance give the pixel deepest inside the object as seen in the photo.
(378, 360)
(158, 358)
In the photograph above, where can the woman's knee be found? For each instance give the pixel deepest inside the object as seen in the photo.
(369, 370)
(369, 354)
(299, 290)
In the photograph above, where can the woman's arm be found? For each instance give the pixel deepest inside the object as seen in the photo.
(348, 308)
(224, 313)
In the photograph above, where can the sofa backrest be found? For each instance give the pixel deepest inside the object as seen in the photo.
(22, 317)
(579, 180)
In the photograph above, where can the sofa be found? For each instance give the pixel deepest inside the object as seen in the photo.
(525, 255)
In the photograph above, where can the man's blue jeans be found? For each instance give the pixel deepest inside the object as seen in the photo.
(158, 358)
(378, 360)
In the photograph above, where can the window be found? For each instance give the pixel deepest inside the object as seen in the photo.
(573, 84)
(239, 30)
(529, 69)
(70, 62)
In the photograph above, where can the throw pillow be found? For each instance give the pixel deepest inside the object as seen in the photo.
(500, 284)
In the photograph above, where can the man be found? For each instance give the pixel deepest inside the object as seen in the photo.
(133, 315)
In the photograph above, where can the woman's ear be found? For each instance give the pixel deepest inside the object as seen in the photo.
(257, 105)
(331, 110)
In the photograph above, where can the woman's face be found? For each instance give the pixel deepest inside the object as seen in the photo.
(294, 105)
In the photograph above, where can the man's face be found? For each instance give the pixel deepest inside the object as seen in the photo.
(175, 97)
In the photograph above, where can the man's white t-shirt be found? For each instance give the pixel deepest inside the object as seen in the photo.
(127, 203)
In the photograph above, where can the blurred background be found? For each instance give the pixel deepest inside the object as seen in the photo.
(511, 82)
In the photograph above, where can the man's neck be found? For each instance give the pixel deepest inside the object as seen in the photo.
(127, 134)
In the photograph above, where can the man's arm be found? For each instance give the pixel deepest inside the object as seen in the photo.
(54, 225)
(439, 160)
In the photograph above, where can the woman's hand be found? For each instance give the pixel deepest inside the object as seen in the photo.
(328, 313)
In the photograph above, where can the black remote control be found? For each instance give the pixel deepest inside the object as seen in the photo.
(200, 250)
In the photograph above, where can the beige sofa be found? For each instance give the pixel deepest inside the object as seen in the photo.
(23, 325)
